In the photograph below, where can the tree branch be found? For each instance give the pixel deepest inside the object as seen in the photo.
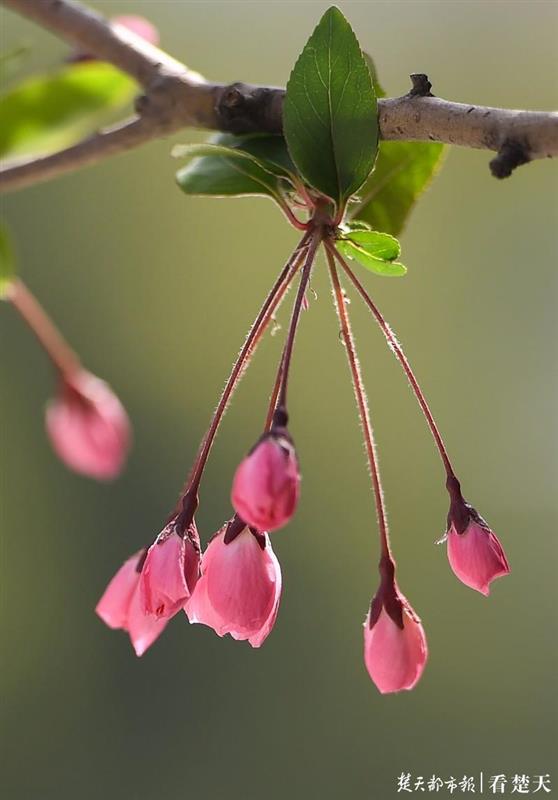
(176, 97)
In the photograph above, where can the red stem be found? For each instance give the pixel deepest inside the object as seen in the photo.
(401, 357)
(285, 363)
(295, 222)
(274, 395)
(48, 335)
(188, 500)
(364, 413)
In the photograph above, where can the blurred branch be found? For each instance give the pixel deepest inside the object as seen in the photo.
(176, 97)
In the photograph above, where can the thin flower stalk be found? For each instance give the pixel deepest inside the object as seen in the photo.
(285, 363)
(401, 357)
(362, 403)
(188, 499)
(53, 343)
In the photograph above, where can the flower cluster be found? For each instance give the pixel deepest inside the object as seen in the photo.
(234, 586)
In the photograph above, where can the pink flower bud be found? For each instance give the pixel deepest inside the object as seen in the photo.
(476, 556)
(170, 572)
(240, 586)
(140, 26)
(266, 484)
(119, 607)
(395, 650)
(88, 427)
(474, 551)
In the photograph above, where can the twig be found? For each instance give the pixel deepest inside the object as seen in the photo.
(176, 97)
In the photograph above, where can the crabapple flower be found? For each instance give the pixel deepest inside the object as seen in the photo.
(139, 25)
(395, 649)
(474, 551)
(476, 556)
(120, 607)
(266, 484)
(240, 585)
(170, 572)
(88, 426)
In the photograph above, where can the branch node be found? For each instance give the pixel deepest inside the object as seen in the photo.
(141, 104)
(241, 108)
(421, 85)
(511, 154)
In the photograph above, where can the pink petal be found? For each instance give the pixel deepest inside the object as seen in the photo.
(476, 556)
(163, 586)
(239, 590)
(395, 658)
(113, 606)
(143, 628)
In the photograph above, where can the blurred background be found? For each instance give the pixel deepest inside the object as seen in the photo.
(156, 291)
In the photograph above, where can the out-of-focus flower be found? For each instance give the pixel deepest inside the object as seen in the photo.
(88, 426)
(138, 25)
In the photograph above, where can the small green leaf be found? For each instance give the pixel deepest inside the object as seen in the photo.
(376, 244)
(267, 152)
(47, 112)
(380, 266)
(330, 117)
(230, 175)
(270, 150)
(7, 262)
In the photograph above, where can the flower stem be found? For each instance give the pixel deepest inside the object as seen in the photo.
(188, 500)
(286, 357)
(274, 395)
(401, 357)
(48, 335)
(295, 222)
(362, 403)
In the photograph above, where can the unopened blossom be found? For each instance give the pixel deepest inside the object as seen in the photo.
(120, 606)
(240, 585)
(170, 572)
(474, 551)
(88, 426)
(139, 25)
(266, 484)
(395, 649)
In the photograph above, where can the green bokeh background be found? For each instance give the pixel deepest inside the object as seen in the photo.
(156, 291)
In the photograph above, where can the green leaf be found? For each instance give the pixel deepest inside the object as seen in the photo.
(7, 262)
(402, 173)
(229, 174)
(270, 150)
(330, 117)
(376, 244)
(47, 112)
(11, 60)
(360, 252)
(267, 152)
